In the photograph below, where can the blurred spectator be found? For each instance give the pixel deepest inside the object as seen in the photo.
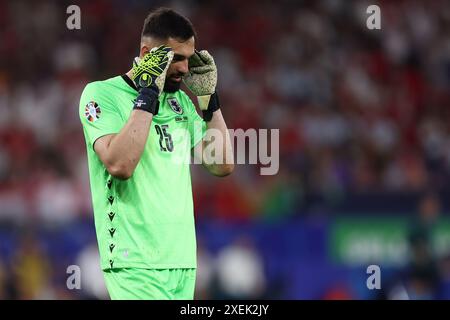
(240, 273)
(205, 273)
(423, 273)
(32, 272)
(444, 266)
(429, 210)
(421, 278)
(92, 281)
(422, 283)
(338, 292)
(3, 282)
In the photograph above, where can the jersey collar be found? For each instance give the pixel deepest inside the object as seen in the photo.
(129, 81)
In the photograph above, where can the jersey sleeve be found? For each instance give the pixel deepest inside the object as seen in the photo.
(197, 126)
(97, 113)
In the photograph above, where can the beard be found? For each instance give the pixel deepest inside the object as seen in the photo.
(171, 86)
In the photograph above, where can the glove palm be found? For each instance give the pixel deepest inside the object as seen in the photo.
(202, 77)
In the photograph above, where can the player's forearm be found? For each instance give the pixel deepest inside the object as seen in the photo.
(225, 165)
(125, 148)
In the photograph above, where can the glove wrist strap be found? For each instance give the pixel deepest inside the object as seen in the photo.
(213, 105)
(147, 100)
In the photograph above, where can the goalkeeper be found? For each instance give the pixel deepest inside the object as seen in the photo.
(138, 127)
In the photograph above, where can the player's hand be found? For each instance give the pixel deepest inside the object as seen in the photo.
(201, 79)
(149, 75)
(150, 71)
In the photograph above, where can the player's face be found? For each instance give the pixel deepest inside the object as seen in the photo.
(179, 66)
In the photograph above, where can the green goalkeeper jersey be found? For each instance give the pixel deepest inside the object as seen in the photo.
(146, 221)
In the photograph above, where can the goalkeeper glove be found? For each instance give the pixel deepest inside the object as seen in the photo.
(202, 81)
(149, 75)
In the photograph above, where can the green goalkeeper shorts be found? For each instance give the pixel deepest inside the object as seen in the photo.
(150, 284)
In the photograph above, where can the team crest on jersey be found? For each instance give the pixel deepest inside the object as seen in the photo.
(92, 111)
(175, 105)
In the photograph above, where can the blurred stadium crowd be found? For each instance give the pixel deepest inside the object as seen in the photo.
(359, 111)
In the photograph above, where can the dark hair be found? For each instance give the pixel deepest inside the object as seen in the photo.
(164, 23)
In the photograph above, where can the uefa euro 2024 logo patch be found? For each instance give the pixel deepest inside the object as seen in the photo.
(176, 107)
(92, 111)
